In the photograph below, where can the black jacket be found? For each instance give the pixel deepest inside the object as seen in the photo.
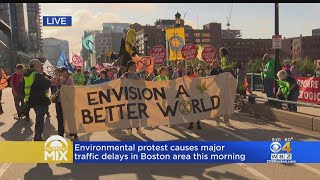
(38, 89)
(215, 71)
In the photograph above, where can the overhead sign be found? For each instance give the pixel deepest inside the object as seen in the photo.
(276, 42)
(159, 54)
(189, 51)
(209, 54)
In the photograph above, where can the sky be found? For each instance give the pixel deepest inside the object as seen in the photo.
(255, 20)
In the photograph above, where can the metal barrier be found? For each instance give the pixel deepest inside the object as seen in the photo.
(283, 101)
(255, 81)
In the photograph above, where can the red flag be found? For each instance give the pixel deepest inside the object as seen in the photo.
(77, 60)
(3, 80)
(247, 85)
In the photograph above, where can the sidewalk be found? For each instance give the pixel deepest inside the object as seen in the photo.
(301, 109)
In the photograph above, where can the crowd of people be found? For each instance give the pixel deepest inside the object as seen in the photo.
(31, 86)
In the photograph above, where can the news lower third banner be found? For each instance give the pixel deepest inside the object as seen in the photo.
(123, 103)
(57, 150)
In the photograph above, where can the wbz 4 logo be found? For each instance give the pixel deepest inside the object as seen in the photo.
(276, 147)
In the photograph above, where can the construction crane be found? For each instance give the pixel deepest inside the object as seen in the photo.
(228, 18)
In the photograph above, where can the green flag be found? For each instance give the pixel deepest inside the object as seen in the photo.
(88, 43)
(284, 86)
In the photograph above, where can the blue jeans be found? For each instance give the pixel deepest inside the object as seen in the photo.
(293, 96)
(40, 112)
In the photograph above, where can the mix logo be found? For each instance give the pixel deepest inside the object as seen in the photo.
(61, 21)
(55, 149)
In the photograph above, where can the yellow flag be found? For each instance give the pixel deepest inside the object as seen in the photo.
(176, 40)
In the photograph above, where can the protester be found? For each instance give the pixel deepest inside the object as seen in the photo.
(286, 66)
(1, 109)
(216, 70)
(66, 80)
(144, 75)
(241, 75)
(86, 77)
(78, 78)
(291, 93)
(47, 93)
(120, 72)
(191, 74)
(151, 76)
(131, 74)
(225, 64)
(18, 97)
(180, 71)
(200, 71)
(317, 69)
(110, 75)
(36, 86)
(268, 76)
(294, 69)
(170, 71)
(103, 78)
(163, 74)
(93, 75)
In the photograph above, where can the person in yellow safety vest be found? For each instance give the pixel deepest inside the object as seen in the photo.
(163, 74)
(36, 86)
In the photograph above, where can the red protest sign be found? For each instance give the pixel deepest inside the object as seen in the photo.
(159, 54)
(189, 51)
(209, 54)
(309, 89)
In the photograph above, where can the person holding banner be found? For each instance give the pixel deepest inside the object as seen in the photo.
(180, 71)
(132, 74)
(163, 71)
(191, 74)
(216, 69)
(103, 78)
(66, 80)
(93, 75)
(79, 78)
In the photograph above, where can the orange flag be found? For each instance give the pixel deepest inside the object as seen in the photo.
(144, 63)
(3, 80)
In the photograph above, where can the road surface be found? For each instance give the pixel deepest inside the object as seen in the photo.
(246, 128)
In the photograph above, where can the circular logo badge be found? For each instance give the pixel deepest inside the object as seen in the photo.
(176, 43)
(275, 147)
(185, 107)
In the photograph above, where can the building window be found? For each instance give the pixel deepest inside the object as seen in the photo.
(197, 40)
(205, 40)
(197, 34)
(205, 34)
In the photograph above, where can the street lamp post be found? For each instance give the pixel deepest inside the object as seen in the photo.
(146, 44)
(277, 51)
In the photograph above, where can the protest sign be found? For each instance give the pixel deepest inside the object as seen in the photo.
(124, 103)
(309, 89)
(159, 54)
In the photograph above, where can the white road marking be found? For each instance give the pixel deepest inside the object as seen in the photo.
(246, 167)
(305, 166)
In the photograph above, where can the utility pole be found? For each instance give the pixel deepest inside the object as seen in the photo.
(276, 51)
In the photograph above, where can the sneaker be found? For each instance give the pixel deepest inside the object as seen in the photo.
(190, 127)
(129, 132)
(199, 127)
(37, 139)
(140, 132)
